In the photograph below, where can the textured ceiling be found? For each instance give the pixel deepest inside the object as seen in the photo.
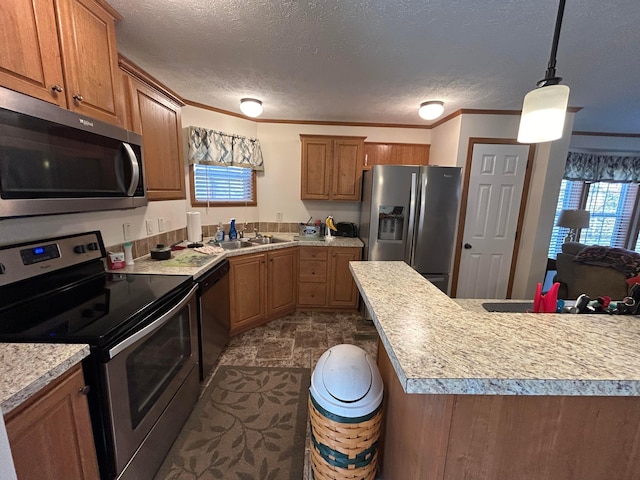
(376, 61)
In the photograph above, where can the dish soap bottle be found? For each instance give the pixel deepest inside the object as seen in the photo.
(233, 234)
(219, 237)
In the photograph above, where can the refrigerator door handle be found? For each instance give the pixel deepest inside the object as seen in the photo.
(408, 254)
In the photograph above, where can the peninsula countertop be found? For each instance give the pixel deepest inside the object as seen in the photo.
(438, 346)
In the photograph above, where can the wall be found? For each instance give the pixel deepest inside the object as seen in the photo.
(543, 193)
(444, 145)
(279, 189)
(619, 145)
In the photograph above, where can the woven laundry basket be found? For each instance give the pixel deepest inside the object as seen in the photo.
(345, 411)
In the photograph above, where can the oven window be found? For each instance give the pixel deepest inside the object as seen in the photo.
(154, 363)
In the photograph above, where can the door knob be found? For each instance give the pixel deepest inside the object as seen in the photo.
(467, 246)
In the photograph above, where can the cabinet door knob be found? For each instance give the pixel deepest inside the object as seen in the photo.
(78, 98)
(56, 88)
(85, 390)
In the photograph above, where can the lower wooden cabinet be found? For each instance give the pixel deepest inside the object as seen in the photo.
(325, 281)
(50, 435)
(262, 287)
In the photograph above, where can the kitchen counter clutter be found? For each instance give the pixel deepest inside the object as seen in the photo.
(188, 262)
(440, 346)
(27, 368)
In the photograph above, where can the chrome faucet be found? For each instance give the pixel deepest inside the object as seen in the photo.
(258, 234)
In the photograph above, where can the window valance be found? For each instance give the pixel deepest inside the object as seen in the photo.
(211, 147)
(596, 167)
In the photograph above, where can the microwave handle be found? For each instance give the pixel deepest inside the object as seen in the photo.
(135, 169)
(153, 326)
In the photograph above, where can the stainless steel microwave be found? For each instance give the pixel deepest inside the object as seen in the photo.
(55, 161)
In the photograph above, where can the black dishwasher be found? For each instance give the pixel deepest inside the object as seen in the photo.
(213, 316)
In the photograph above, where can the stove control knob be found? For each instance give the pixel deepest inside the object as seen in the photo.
(93, 246)
(79, 249)
(2, 268)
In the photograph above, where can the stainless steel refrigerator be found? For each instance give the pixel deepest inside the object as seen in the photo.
(409, 213)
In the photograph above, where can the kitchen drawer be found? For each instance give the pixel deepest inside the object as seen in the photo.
(312, 294)
(312, 271)
(313, 253)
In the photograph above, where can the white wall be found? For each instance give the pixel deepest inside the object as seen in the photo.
(619, 145)
(543, 193)
(279, 189)
(444, 144)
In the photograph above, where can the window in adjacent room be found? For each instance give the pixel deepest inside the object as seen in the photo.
(613, 210)
(222, 185)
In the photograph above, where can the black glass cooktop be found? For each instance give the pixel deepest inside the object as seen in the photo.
(96, 311)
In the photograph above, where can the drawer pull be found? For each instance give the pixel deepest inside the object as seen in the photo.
(56, 88)
(78, 98)
(85, 390)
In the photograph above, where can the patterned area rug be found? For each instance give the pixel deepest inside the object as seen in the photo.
(250, 424)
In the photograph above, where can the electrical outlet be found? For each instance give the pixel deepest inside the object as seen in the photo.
(162, 224)
(278, 217)
(128, 234)
(149, 224)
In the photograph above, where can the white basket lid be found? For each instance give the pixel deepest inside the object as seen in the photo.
(346, 382)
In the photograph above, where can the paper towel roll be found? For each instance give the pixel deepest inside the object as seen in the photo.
(194, 227)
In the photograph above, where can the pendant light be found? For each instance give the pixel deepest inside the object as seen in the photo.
(431, 110)
(544, 109)
(251, 107)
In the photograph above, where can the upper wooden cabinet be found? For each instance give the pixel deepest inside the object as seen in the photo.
(155, 115)
(63, 52)
(395, 154)
(331, 167)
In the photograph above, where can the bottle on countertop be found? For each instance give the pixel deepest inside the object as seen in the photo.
(233, 234)
(219, 237)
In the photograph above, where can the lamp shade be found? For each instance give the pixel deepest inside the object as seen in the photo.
(431, 110)
(543, 113)
(573, 219)
(251, 107)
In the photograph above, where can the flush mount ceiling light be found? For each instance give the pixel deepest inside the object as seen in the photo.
(544, 109)
(251, 107)
(431, 110)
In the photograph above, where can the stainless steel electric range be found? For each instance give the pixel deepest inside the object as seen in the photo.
(142, 330)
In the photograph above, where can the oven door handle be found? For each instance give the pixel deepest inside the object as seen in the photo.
(155, 325)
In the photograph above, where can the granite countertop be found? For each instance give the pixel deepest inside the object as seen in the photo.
(188, 262)
(28, 367)
(440, 346)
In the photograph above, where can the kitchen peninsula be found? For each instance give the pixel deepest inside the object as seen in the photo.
(478, 395)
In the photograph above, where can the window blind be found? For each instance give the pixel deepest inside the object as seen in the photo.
(611, 206)
(222, 184)
(568, 199)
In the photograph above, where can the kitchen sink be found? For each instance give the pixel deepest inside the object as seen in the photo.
(265, 240)
(235, 244)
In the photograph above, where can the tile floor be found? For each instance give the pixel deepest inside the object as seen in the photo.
(298, 340)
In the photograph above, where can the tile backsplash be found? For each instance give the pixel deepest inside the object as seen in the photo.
(142, 247)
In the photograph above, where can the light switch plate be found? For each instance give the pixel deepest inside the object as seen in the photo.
(128, 234)
(278, 217)
(162, 224)
(149, 224)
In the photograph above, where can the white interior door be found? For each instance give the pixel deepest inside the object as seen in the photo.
(495, 192)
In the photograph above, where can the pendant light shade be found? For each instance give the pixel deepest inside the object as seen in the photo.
(251, 107)
(545, 108)
(431, 110)
(543, 113)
